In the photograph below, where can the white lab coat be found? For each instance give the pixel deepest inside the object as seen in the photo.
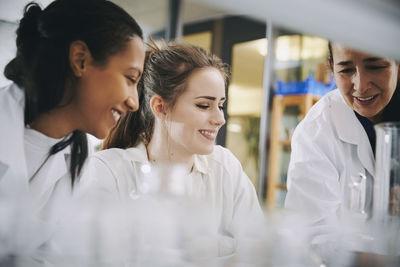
(328, 147)
(50, 187)
(217, 178)
(13, 169)
(13, 173)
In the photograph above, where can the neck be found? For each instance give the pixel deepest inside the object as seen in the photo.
(162, 149)
(377, 118)
(55, 123)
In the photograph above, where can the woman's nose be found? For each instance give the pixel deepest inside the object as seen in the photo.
(219, 118)
(361, 82)
(132, 102)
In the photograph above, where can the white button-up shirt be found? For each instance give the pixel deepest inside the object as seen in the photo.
(217, 178)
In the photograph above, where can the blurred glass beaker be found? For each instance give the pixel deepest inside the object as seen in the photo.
(172, 225)
(356, 194)
(386, 200)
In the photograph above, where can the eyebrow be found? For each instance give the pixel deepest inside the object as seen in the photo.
(373, 59)
(210, 98)
(367, 60)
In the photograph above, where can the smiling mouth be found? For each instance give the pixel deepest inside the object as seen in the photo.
(211, 135)
(365, 99)
(116, 114)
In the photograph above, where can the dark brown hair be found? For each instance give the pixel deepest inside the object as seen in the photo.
(166, 70)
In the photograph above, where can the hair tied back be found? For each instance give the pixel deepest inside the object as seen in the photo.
(28, 32)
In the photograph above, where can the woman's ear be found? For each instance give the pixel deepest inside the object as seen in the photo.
(79, 56)
(330, 63)
(158, 107)
(398, 72)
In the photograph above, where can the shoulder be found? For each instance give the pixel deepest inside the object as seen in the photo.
(106, 164)
(222, 162)
(327, 104)
(116, 157)
(12, 93)
(110, 155)
(11, 115)
(113, 158)
(227, 171)
(222, 156)
(322, 115)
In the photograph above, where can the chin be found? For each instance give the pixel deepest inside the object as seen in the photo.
(367, 114)
(101, 133)
(206, 150)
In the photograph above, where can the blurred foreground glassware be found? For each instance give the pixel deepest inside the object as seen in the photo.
(281, 241)
(157, 224)
(356, 198)
(374, 241)
(177, 229)
(21, 232)
(386, 200)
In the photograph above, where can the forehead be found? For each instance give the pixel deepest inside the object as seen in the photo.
(132, 55)
(205, 81)
(340, 51)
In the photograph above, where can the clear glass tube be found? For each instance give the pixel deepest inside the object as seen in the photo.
(386, 200)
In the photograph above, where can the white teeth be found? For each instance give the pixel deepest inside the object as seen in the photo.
(116, 115)
(211, 134)
(365, 99)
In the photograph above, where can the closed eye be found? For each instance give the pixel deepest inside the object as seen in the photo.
(376, 67)
(130, 79)
(349, 70)
(221, 107)
(202, 106)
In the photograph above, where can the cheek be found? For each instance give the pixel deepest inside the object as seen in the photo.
(344, 91)
(189, 127)
(340, 80)
(185, 130)
(392, 84)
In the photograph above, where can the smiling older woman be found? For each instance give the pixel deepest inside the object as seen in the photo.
(335, 143)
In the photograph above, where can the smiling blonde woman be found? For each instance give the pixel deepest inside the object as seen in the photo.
(181, 112)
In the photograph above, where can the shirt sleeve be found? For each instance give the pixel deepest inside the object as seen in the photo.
(313, 177)
(246, 207)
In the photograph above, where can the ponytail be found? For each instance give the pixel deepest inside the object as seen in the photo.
(28, 37)
(79, 152)
(41, 66)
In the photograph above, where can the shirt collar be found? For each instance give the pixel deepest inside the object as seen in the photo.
(137, 153)
(350, 130)
(200, 164)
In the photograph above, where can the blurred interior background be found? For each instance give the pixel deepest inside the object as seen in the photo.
(277, 51)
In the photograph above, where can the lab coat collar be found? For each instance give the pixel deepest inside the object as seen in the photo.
(350, 130)
(139, 154)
